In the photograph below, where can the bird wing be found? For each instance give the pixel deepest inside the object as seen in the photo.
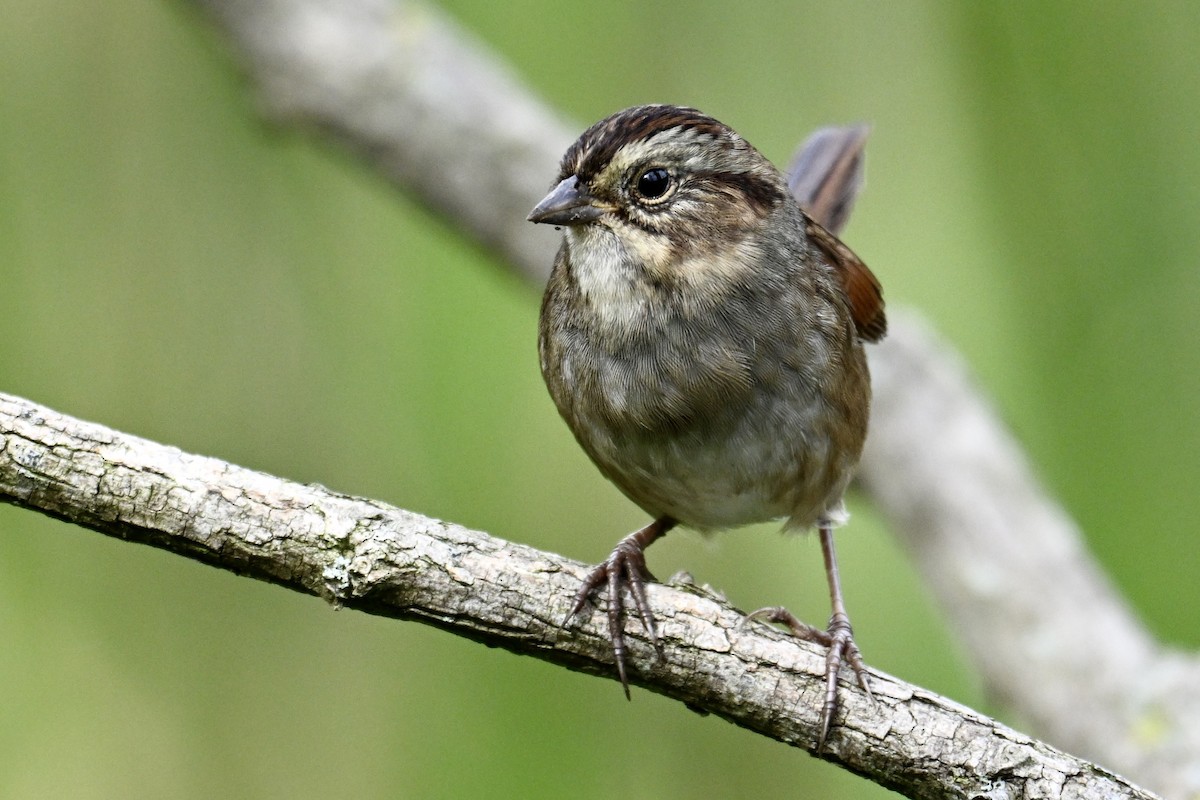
(858, 282)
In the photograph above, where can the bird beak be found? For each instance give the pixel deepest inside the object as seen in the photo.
(567, 204)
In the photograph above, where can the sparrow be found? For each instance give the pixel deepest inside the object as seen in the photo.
(702, 336)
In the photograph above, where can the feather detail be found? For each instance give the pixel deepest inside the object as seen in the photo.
(862, 288)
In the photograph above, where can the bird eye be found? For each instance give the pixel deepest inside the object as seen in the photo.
(654, 183)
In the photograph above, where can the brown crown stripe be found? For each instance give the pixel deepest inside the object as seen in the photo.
(599, 143)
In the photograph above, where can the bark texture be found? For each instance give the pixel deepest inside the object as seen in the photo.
(384, 560)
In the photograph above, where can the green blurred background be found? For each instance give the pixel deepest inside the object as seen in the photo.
(172, 267)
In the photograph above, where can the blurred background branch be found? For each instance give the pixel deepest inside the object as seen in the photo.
(1044, 223)
(1006, 563)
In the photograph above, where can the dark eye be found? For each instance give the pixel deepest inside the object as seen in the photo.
(654, 183)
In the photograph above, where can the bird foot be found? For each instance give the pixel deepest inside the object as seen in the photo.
(838, 638)
(625, 567)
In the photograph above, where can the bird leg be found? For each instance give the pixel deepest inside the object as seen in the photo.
(838, 637)
(626, 565)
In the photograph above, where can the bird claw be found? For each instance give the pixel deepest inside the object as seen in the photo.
(624, 567)
(838, 638)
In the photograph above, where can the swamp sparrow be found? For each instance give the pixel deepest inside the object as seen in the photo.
(702, 337)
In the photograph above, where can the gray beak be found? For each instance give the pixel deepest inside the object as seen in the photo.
(567, 204)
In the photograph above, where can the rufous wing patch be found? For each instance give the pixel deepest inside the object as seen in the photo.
(858, 282)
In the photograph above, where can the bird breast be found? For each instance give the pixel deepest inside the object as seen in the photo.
(707, 395)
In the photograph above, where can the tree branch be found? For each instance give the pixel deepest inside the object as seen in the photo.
(1053, 638)
(419, 99)
(380, 559)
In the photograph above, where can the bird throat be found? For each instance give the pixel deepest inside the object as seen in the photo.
(624, 278)
(610, 279)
